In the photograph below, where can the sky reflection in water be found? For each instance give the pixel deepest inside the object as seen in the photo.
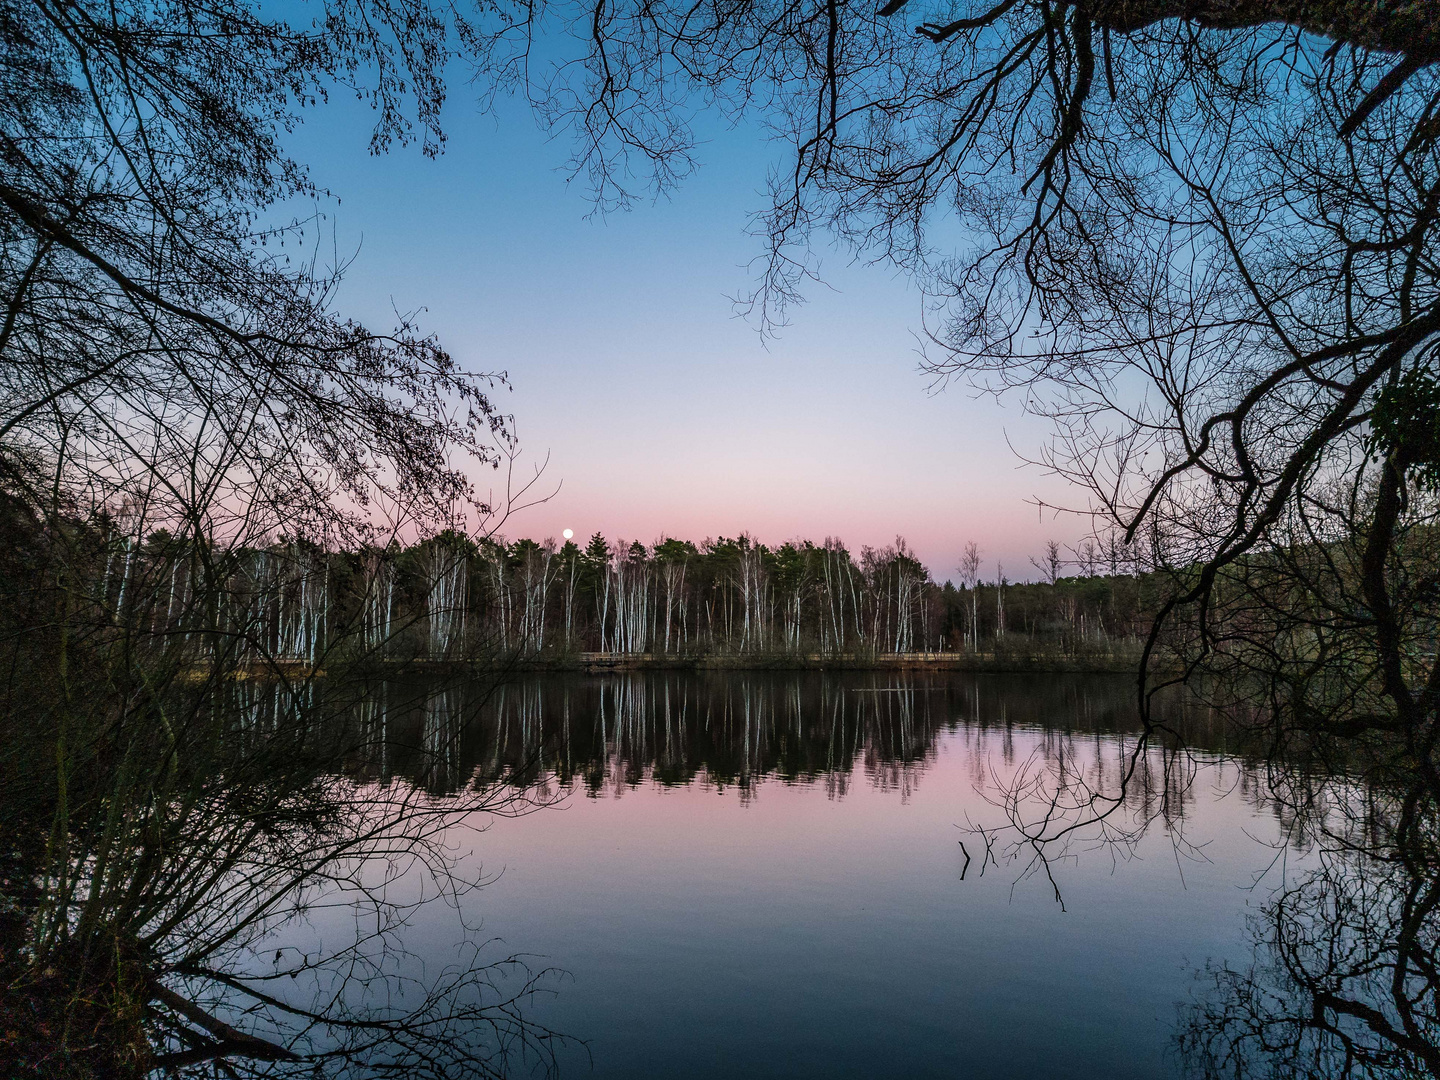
(760, 875)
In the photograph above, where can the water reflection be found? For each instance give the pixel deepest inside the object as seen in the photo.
(1343, 981)
(748, 874)
(649, 890)
(607, 735)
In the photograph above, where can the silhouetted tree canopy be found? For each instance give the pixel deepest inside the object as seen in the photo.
(1201, 237)
(163, 316)
(1198, 234)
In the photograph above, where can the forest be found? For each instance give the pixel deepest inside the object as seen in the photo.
(450, 597)
(1200, 241)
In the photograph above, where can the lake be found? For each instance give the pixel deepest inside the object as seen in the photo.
(764, 874)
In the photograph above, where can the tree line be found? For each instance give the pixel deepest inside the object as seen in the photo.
(452, 596)
(1201, 238)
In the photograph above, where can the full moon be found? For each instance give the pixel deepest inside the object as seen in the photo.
(568, 534)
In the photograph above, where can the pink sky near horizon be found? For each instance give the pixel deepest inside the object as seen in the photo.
(662, 413)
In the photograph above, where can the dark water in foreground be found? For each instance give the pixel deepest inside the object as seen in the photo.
(760, 876)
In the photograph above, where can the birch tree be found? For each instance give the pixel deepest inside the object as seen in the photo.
(672, 558)
(445, 566)
(597, 559)
(970, 576)
(536, 568)
(377, 620)
(999, 600)
(569, 577)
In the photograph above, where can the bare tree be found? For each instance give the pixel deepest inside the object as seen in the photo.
(1200, 237)
(1050, 566)
(1000, 584)
(189, 433)
(970, 577)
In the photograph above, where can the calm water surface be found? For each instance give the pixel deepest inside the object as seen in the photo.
(760, 876)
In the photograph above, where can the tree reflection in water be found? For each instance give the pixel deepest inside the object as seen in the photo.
(229, 893)
(739, 729)
(306, 828)
(1343, 982)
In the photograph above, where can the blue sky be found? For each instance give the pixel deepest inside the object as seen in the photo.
(660, 410)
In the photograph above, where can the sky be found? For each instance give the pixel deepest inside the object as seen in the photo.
(656, 410)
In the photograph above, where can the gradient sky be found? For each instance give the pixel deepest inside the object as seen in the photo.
(662, 412)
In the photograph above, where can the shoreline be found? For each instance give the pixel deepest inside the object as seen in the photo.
(599, 663)
(1124, 662)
